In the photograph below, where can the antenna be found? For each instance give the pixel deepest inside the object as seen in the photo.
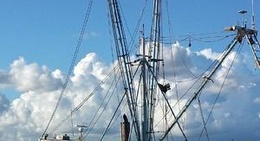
(243, 12)
(253, 15)
(81, 130)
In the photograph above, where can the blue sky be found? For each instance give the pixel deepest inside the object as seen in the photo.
(44, 33)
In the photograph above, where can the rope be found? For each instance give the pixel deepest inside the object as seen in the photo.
(202, 39)
(199, 38)
(138, 25)
(113, 116)
(180, 99)
(197, 79)
(133, 37)
(203, 120)
(85, 99)
(92, 122)
(73, 62)
(168, 104)
(192, 85)
(220, 90)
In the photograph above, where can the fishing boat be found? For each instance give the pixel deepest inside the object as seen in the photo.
(148, 107)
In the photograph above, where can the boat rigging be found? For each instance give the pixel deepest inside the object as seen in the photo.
(142, 101)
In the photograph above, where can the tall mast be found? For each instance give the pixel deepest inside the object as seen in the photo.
(144, 120)
(124, 62)
(154, 61)
(149, 70)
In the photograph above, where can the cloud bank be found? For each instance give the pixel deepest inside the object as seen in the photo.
(236, 114)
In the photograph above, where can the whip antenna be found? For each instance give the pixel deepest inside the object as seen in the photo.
(253, 15)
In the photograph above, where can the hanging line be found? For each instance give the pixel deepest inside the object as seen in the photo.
(113, 116)
(86, 98)
(220, 90)
(96, 117)
(203, 120)
(73, 62)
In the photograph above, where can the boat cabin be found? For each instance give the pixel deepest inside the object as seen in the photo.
(56, 138)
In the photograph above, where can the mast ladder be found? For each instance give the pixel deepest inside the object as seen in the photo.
(255, 47)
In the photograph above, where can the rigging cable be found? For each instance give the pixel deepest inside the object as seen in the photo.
(168, 103)
(123, 59)
(174, 69)
(158, 54)
(138, 25)
(183, 60)
(110, 35)
(138, 90)
(198, 78)
(179, 100)
(133, 37)
(113, 116)
(86, 98)
(222, 86)
(72, 123)
(211, 41)
(203, 120)
(199, 38)
(93, 122)
(73, 62)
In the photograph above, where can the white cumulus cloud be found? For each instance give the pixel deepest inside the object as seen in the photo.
(26, 117)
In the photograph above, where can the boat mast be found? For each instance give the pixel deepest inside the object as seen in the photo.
(154, 51)
(124, 62)
(144, 118)
(150, 68)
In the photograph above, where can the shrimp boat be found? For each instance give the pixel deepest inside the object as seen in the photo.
(146, 106)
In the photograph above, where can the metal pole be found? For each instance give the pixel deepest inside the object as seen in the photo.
(145, 106)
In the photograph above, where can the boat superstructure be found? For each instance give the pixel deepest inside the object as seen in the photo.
(64, 137)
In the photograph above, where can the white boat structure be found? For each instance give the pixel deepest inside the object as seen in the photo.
(144, 85)
(56, 138)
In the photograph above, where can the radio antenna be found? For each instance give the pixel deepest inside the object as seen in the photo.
(253, 15)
